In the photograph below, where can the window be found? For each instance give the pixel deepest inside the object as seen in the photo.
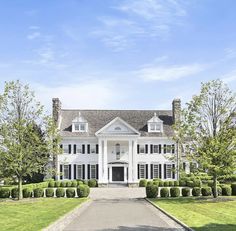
(155, 171)
(66, 171)
(142, 148)
(142, 171)
(65, 148)
(155, 148)
(117, 151)
(155, 124)
(93, 171)
(93, 149)
(79, 148)
(79, 127)
(169, 171)
(79, 172)
(117, 128)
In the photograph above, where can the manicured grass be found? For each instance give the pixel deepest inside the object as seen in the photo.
(201, 214)
(34, 214)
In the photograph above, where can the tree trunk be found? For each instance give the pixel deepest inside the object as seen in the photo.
(20, 195)
(215, 192)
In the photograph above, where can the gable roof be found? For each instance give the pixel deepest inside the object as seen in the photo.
(117, 119)
(97, 119)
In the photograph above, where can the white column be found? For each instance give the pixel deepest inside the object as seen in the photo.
(72, 171)
(105, 170)
(100, 165)
(135, 174)
(130, 170)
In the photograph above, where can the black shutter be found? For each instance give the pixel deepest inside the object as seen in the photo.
(151, 171)
(138, 148)
(97, 149)
(69, 148)
(146, 148)
(88, 171)
(146, 171)
(164, 148)
(151, 148)
(69, 171)
(184, 166)
(83, 148)
(160, 176)
(83, 170)
(74, 148)
(75, 171)
(88, 148)
(61, 146)
(164, 171)
(173, 148)
(61, 169)
(138, 172)
(160, 148)
(97, 171)
(173, 171)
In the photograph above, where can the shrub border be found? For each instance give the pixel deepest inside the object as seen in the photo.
(169, 215)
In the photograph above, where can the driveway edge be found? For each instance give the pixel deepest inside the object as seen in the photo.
(66, 219)
(169, 215)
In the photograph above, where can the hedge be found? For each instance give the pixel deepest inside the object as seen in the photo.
(174, 192)
(206, 191)
(176, 183)
(233, 186)
(161, 183)
(157, 183)
(51, 184)
(166, 183)
(164, 192)
(63, 184)
(57, 184)
(70, 192)
(83, 190)
(5, 192)
(152, 191)
(49, 192)
(60, 192)
(14, 193)
(38, 192)
(68, 183)
(196, 191)
(149, 183)
(92, 183)
(182, 183)
(190, 183)
(80, 182)
(143, 183)
(185, 192)
(74, 183)
(226, 190)
(27, 192)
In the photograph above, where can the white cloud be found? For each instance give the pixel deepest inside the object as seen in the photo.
(33, 35)
(230, 53)
(168, 73)
(230, 77)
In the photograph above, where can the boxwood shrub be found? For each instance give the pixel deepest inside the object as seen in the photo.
(51, 184)
(233, 186)
(60, 192)
(171, 183)
(196, 191)
(197, 183)
(152, 191)
(210, 183)
(206, 191)
(83, 190)
(27, 192)
(182, 183)
(226, 190)
(70, 192)
(174, 192)
(74, 183)
(63, 184)
(149, 183)
(49, 192)
(176, 183)
(166, 183)
(190, 183)
(4, 192)
(161, 183)
(157, 183)
(69, 183)
(38, 192)
(14, 193)
(185, 192)
(92, 183)
(164, 192)
(143, 183)
(57, 184)
(80, 182)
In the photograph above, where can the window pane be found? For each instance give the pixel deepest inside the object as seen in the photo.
(66, 171)
(82, 127)
(141, 149)
(93, 149)
(65, 148)
(93, 171)
(155, 171)
(155, 148)
(142, 168)
(77, 127)
(168, 171)
(79, 171)
(78, 148)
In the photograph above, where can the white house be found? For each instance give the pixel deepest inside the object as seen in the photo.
(117, 146)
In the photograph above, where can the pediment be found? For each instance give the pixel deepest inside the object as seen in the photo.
(117, 127)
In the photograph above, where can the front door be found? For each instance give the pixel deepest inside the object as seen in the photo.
(117, 173)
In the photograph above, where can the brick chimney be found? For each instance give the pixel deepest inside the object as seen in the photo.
(176, 109)
(56, 109)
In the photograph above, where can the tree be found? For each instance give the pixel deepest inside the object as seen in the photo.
(26, 151)
(207, 130)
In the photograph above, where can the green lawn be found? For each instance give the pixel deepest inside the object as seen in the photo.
(34, 214)
(201, 215)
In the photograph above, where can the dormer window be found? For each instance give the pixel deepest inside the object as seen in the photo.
(155, 124)
(79, 124)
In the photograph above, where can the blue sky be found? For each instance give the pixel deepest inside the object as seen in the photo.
(117, 54)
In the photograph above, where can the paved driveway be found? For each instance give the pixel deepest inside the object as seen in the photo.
(117, 209)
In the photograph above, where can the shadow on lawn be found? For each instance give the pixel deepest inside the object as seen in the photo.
(144, 228)
(216, 227)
